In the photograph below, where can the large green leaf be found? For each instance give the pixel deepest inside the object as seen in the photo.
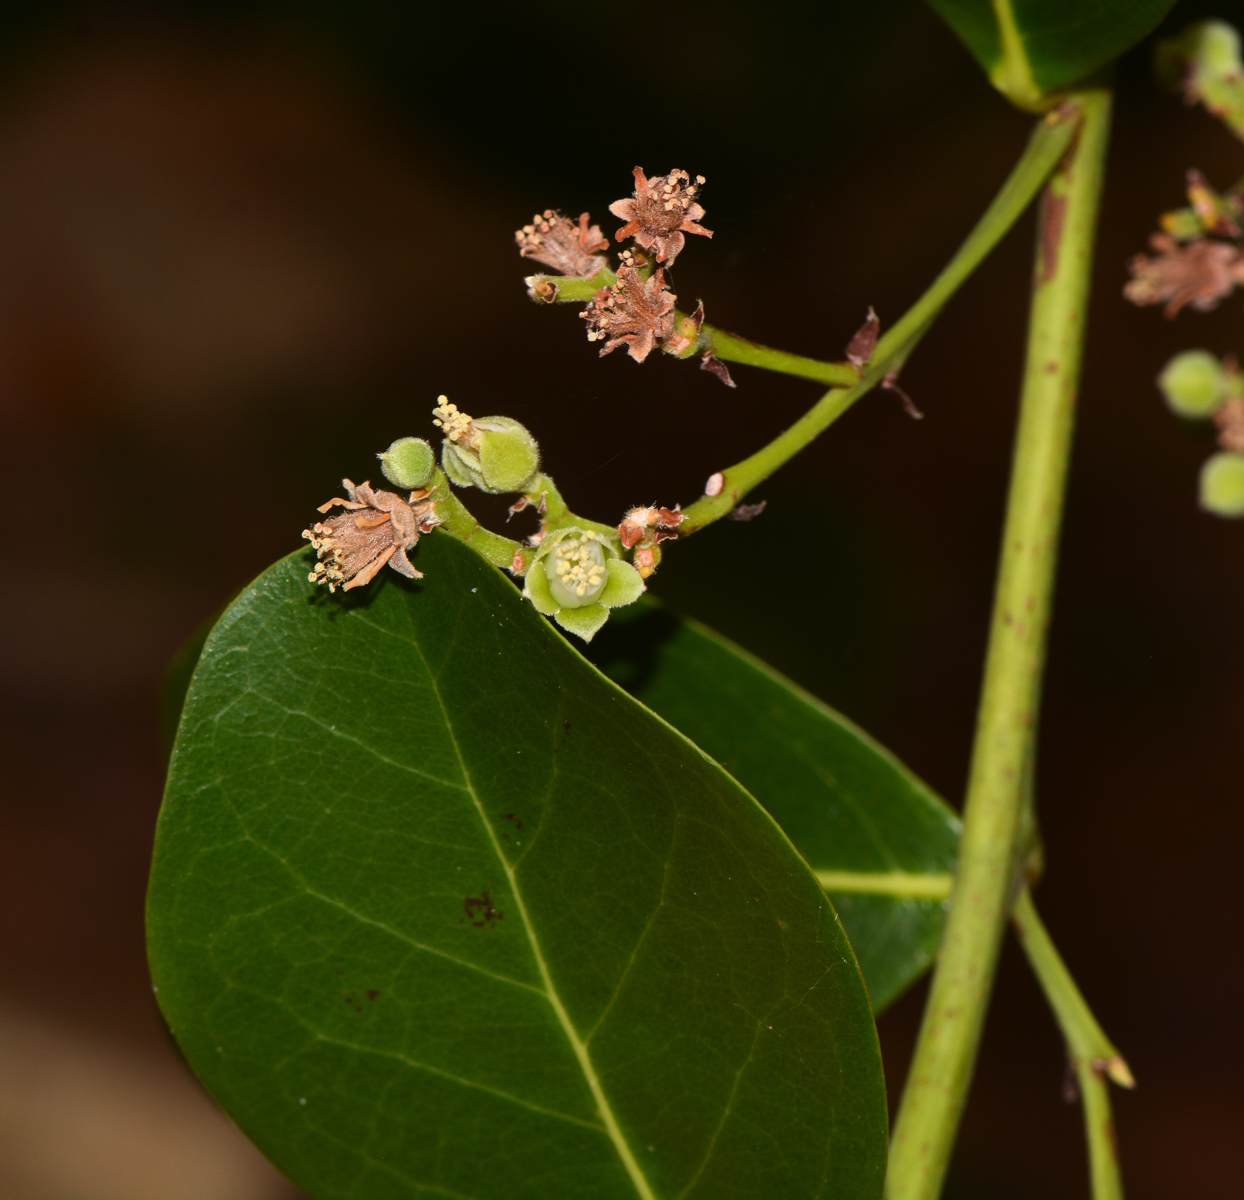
(1032, 48)
(883, 843)
(438, 911)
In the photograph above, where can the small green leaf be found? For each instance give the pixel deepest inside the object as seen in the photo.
(883, 842)
(438, 911)
(1033, 48)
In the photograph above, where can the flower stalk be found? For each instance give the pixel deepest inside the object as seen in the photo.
(1048, 144)
(989, 858)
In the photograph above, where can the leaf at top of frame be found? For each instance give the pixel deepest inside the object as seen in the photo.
(436, 910)
(848, 804)
(1031, 49)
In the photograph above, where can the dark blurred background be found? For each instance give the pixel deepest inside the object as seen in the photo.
(244, 246)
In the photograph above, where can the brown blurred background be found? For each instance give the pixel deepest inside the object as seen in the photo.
(244, 246)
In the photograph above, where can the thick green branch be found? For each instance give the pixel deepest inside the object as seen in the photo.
(985, 879)
(1048, 144)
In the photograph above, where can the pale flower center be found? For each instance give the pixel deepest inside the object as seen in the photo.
(576, 571)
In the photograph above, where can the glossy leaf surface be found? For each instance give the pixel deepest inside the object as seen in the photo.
(1030, 48)
(846, 802)
(438, 911)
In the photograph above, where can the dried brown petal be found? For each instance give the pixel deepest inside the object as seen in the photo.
(1230, 421)
(715, 366)
(638, 522)
(861, 346)
(560, 243)
(376, 528)
(1199, 274)
(660, 212)
(632, 313)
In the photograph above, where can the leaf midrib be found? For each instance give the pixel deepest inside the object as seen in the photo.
(1013, 74)
(612, 1129)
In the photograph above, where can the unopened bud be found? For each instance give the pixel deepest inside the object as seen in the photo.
(500, 455)
(1194, 384)
(1222, 485)
(408, 463)
(508, 455)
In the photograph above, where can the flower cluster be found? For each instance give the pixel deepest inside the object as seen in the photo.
(636, 307)
(376, 528)
(1198, 259)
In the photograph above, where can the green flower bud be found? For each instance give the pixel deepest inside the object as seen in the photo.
(1194, 384)
(498, 455)
(577, 577)
(408, 463)
(508, 455)
(461, 464)
(1222, 485)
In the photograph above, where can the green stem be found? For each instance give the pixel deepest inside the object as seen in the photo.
(729, 347)
(457, 521)
(557, 289)
(544, 491)
(904, 885)
(1084, 1036)
(932, 1102)
(1047, 145)
(1091, 1053)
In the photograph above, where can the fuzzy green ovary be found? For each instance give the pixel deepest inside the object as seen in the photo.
(576, 571)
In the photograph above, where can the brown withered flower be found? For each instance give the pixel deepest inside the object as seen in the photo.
(1199, 274)
(656, 523)
(561, 244)
(376, 528)
(661, 212)
(631, 313)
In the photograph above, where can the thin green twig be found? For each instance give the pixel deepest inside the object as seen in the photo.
(933, 1098)
(1091, 1053)
(1047, 145)
(729, 347)
(457, 521)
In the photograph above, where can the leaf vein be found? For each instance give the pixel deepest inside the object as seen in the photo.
(499, 1093)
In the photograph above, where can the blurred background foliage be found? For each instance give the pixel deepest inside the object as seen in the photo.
(244, 246)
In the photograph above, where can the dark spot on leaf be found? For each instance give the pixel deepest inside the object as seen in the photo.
(481, 912)
(372, 993)
(566, 726)
(354, 1004)
(511, 817)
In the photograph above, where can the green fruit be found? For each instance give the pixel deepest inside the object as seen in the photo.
(1222, 485)
(408, 463)
(1194, 384)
